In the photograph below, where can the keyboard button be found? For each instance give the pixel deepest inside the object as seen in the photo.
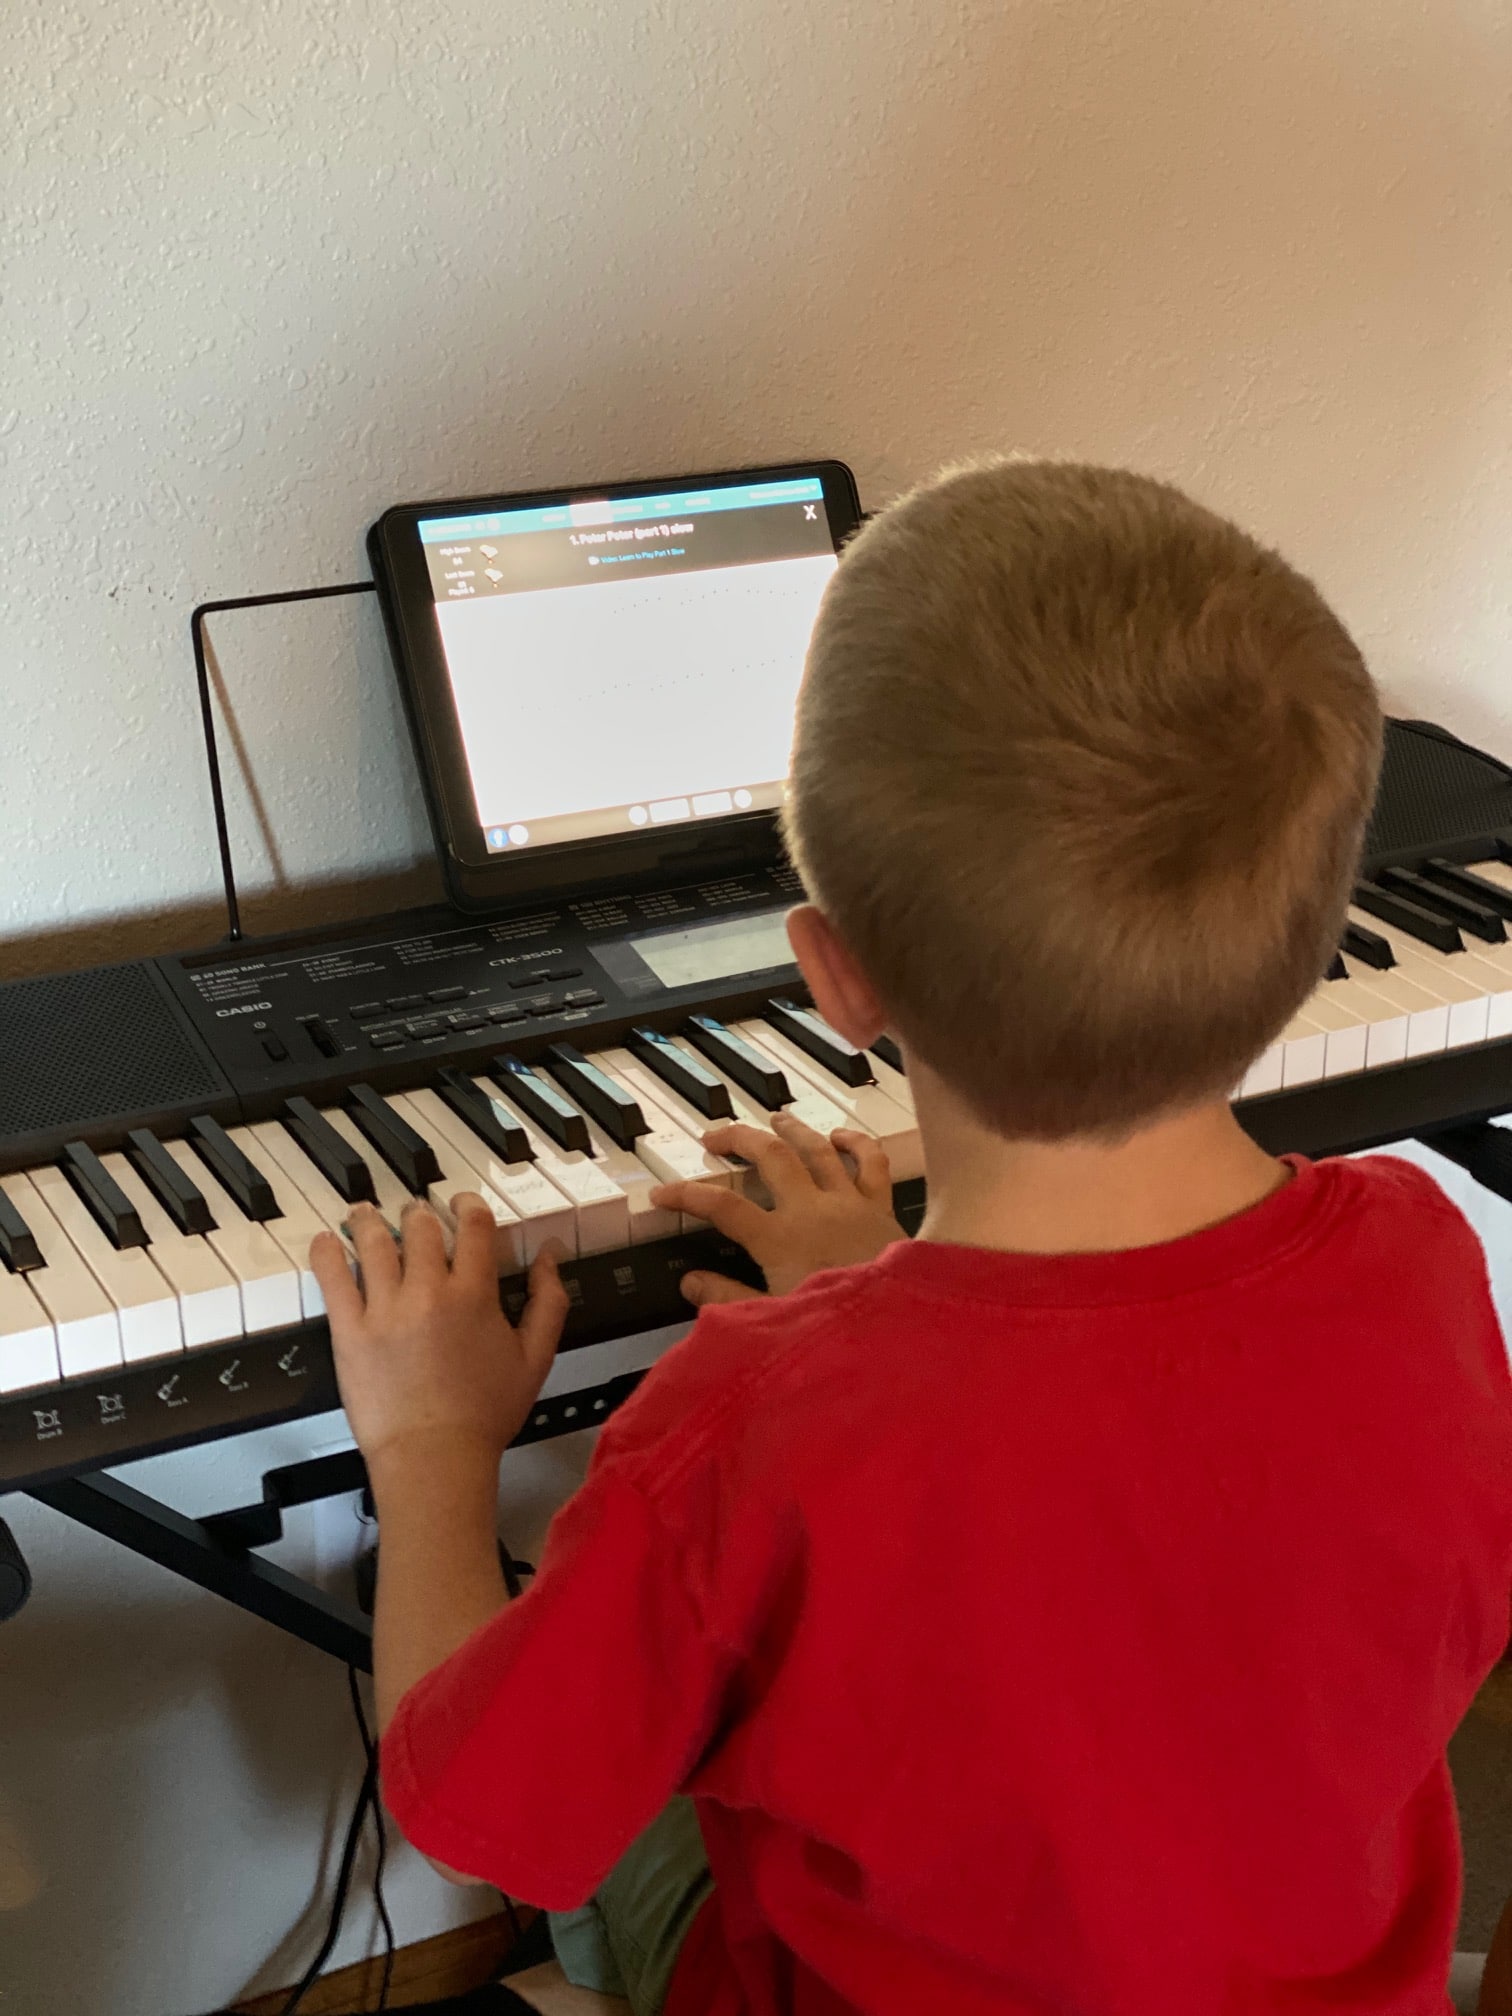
(267, 1279)
(387, 1039)
(484, 1118)
(83, 1316)
(342, 1166)
(564, 973)
(275, 1049)
(366, 1011)
(707, 1094)
(543, 1103)
(210, 1308)
(177, 1193)
(529, 979)
(399, 1002)
(888, 1051)
(18, 1243)
(147, 1310)
(230, 1168)
(447, 994)
(108, 1204)
(407, 1153)
(467, 1018)
(542, 1004)
(426, 1025)
(814, 1036)
(1367, 946)
(1470, 882)
(597, 1094)
(582, 997)
(1479, 919)
(738, 1061)
(506, 1011)
(1407, 916)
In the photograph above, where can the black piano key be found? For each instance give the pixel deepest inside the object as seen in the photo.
(1337, 970)
(597, 1094)
(737, 1060)
(687, 1077)
(333, 1155)
(1476, 918)
(243, 1180)
(1408, 916)
(825, 1045)
(888, 1051)
(18, 1243)
(494, 1125)
(408, 1154)
(1465, 882)
(108, 1203)
(543, 1103)
(172, 1186)
(1369, 947)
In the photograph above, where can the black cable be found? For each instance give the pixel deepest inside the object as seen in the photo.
(380, 1903)
(307, 1980)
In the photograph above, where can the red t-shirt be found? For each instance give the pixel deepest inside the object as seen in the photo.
(1078, 1633)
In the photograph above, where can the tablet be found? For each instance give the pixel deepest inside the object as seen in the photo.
(601, 681)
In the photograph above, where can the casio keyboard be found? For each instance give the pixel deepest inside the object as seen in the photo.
(174, 1131)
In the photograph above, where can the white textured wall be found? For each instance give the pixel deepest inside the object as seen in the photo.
(269, 268)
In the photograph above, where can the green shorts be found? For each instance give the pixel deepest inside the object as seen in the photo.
(626, 1939)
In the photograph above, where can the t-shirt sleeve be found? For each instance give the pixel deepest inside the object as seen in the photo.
(541, 1748)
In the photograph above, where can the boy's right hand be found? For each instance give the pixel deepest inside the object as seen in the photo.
(821, 1216)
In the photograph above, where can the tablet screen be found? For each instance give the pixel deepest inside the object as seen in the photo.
(625, 662)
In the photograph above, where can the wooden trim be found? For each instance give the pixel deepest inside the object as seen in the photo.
(449, 1964)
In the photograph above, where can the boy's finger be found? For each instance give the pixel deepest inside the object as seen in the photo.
(873, 1176)
(815, 1152)
(475, 1249)
(424, 1243)
(376, 1252)
(737, 1217)
(704, 1290)
(545, 1311)
(337, 1283)
(778, 1164)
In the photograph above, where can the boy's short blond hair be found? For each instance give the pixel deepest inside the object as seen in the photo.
(1081, 776)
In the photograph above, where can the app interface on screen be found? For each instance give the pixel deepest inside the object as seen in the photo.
(632, 662)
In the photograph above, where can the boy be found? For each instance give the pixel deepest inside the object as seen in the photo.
(1065, 1610)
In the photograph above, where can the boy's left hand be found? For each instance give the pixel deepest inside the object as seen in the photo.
(424, 1352)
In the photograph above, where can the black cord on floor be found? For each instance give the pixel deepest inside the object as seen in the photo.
(380, 1903)
(307, 1980)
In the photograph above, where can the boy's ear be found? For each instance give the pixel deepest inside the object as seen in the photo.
(842, 993)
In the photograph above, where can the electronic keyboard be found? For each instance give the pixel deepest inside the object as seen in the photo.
(174, 1131)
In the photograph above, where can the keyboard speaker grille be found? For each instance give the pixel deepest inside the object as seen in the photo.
(1435, 791)
(78, 1047)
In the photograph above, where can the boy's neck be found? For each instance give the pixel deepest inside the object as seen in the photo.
(1172, 1177)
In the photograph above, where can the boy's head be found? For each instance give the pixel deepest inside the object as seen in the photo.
(1080, 779)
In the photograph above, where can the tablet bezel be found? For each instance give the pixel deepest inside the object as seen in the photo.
(475, 878)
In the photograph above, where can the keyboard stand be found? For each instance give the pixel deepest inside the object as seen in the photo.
(216, 1554)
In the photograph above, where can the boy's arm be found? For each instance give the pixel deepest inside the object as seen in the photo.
(436, 1382)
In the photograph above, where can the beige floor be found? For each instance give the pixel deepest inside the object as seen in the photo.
(547, 1989)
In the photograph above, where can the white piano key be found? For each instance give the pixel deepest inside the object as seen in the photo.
(1443, 974)
(673, 1151)
(267, 1278)
(286, 1162)
(88, 1329)
(298, 1220)
(629, 1175)
(209, 1305)
(1427, 1016)
(1304, 1052)
(146, 1307)
(808, 1103)
(1344, 1045)
(1499, 872)
(866, 1107)
(893, 1083)
(28, 1340)
(458, 1175)
(392, 1194)
(1264, 1075)
(601, 1206)
(540, 1210)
